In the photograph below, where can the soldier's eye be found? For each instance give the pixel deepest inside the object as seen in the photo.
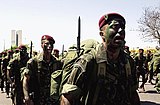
(121, 31)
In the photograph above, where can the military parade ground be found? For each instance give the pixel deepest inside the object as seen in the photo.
(150, 97)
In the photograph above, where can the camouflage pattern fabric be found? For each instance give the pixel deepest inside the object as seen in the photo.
(157, 86)
(156, 65)
(15, 68)
(115, 87)
(40, 78)
(4, 68)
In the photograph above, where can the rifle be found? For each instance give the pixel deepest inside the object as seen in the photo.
(62, 51)
(78, 38)
(31, 49)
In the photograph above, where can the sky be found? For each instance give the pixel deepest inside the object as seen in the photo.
(59, 18)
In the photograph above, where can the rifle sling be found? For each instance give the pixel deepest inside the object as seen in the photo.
(101, 73)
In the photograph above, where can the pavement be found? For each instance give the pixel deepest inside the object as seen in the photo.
(149, 97)
(4, 100)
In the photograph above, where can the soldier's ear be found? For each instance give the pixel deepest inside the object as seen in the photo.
(101, 33)
(41, 45)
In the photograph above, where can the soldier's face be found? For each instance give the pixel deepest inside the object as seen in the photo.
(47, 46)
(23, 52)
(113, 34)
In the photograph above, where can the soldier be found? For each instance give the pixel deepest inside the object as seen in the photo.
(0, 69)
(142, 68)
(126, 49)
(35, 53)
(108, 78)
(14, 73)
(56, 53)
(4, 67)
(37, 75)
(16, 52)
(4, 54)
(155, 67)
(149, 57)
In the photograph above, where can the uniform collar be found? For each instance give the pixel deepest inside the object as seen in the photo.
(101, 55)
(40, 57)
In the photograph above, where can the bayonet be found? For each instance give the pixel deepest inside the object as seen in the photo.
(79, 34)
(62, 51)
(31, 49)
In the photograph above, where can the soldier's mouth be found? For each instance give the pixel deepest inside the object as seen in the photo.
(49, 50)
(118, 39)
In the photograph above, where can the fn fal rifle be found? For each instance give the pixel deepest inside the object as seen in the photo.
(31, 49)
(79, 34)
(62, 51)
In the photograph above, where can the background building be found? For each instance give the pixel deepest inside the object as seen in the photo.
(16, 37)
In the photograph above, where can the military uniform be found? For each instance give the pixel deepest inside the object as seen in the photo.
(107, 82)
(156, 71)
(142, 68)
(0, 70)
(4, 67)
(15, 68)
(40, 78)
(3, 71)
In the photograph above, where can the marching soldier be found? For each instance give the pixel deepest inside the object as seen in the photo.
(4, 54)
(37, 75)
(142, 68)
(15, 67)
(4, 67)
(106, 77)
(0, 70)
(56, 53)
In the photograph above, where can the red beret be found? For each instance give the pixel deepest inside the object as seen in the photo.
(108, 17)
(22, 47)
(10, 51)
(126, 47)
(17, 49)
(47, 37)
(4, 52)
(56, 50)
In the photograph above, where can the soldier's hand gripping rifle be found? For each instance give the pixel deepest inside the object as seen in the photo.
(78, 38)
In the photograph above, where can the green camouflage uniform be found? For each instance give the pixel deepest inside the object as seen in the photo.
(156, 70)
(15, 67)
(113, 86)
(4, 68)
(40, 78)
(0, 71)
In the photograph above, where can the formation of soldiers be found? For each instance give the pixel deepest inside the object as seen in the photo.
(147, 66)
(26, 79)
(12, 68)
(11, 64)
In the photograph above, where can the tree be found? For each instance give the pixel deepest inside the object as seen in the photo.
(149, 24)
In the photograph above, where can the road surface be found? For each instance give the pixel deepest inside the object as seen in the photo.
(150, 97)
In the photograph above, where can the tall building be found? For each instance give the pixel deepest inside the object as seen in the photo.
(19, 37)
(16, 37)
(13, 37)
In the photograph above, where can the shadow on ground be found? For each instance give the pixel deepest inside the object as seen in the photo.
(148, 103)
(152, 92)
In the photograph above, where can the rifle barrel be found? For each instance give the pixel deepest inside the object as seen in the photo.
(79, 34)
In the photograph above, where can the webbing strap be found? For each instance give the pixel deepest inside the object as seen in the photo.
(128, 69)
(101, 74)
